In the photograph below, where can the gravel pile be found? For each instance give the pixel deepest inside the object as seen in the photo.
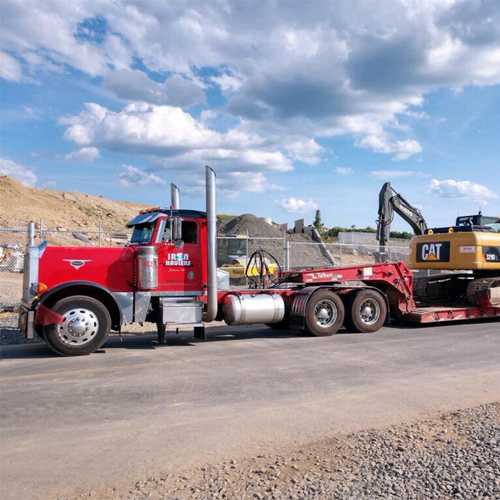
(252, 224)
(305, 253)
(456, 456)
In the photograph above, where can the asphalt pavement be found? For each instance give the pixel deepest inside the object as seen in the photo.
(136, 408)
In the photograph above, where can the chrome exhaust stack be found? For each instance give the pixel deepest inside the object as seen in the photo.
(211, 246)
(174, 197)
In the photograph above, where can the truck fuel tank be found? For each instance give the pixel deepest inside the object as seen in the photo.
(252, 309)
(147, 268)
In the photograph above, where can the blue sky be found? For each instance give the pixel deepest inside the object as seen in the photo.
(297, 105)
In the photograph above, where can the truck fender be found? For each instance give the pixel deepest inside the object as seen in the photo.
(90, 289)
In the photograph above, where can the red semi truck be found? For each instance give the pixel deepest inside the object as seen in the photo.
(74, 296)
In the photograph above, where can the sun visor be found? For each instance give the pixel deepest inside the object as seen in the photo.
(144, 219)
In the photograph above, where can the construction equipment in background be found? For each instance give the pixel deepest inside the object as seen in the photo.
(470, 249)
(233, 257)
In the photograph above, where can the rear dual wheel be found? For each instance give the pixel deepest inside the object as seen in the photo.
(366, 311)
(324, 314)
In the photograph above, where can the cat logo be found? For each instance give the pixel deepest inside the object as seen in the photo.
(433, 252)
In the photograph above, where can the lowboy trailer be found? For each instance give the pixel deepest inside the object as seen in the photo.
(74, 296)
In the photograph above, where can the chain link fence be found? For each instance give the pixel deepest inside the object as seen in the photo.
(233, 254)
(304, 255)
(13, 242)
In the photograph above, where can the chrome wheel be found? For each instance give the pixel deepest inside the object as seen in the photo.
(325, 313)
(79, 326)
(369, 311)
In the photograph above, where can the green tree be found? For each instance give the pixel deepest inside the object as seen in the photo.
(317, 220)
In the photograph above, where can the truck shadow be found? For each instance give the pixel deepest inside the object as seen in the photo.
(148, 341)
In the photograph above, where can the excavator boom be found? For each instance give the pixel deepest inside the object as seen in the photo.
(389, 202)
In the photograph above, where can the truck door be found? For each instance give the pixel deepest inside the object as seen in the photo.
(179, 269)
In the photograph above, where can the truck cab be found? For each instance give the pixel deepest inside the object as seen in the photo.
(178, 238)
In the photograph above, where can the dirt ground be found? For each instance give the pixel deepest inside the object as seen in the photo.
(59, 208)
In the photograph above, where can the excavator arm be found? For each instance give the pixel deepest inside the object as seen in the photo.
(389, 202)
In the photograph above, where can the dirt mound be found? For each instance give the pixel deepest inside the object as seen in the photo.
(304, 252)
(248, 223)
(20, 204)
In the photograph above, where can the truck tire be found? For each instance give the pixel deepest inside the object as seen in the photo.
(85, 327)
(366, 312)
(324, 314)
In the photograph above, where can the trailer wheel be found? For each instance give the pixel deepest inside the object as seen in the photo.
(366, 312)
(324, 314)
(85, 327)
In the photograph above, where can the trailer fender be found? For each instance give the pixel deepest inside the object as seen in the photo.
(299, 304)
(88, 288)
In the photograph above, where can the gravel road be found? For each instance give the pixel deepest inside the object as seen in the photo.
(454, 456)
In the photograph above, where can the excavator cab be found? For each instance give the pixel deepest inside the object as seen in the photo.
(479, 221)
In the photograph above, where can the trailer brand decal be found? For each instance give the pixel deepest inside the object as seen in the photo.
(77, 263)
(178, 260)
(491, 254)
(324, 276)
(433, 252)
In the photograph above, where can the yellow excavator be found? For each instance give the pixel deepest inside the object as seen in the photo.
(470, 248)
(233, 257)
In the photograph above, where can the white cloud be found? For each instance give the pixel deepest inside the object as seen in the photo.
(344, 170)
(290, 71)
(231, 184)
(228, 83)
(296, 205)
(400, 149)
(460, 190)
(50, 36)
(132, 176)
(83, 155)
(307, 151)
(134, 85)
(22, 173)
(174, 136)
(140, 127)
(10, 69)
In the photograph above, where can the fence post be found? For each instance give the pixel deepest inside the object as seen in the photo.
(246, 259)
(31, 234)
(40, 230)
(285, 256)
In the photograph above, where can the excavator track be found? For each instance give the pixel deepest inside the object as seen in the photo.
(442, 288)
(484, 290)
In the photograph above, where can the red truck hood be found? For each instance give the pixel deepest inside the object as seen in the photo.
(110, 267)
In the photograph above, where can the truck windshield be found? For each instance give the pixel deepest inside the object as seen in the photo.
(142, 233)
